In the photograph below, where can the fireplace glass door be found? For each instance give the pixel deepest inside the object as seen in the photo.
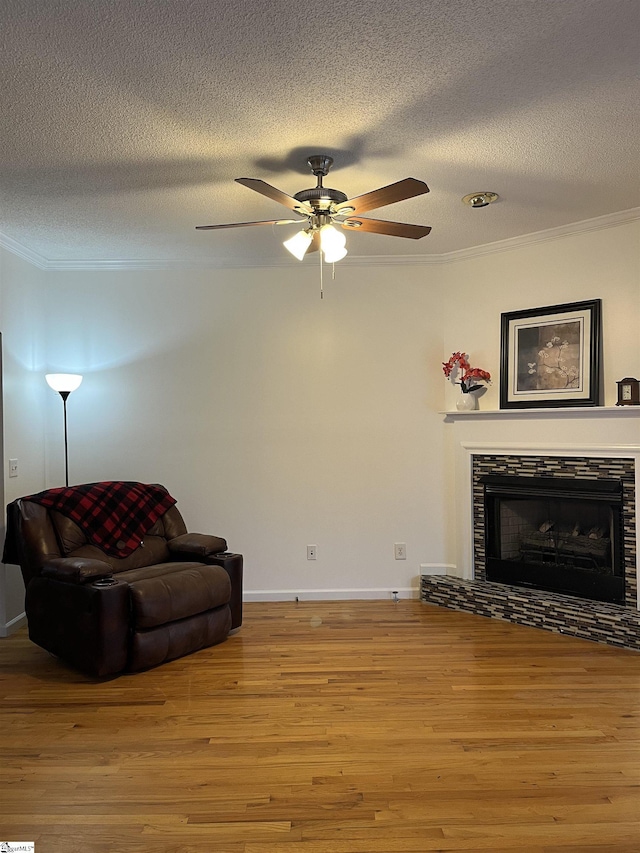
(563, 537)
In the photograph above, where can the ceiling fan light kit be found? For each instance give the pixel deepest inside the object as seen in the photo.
(324, 208)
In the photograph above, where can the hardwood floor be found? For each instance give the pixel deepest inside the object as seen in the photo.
(333, 727)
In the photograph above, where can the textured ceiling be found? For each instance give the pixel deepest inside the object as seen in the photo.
(124, 122)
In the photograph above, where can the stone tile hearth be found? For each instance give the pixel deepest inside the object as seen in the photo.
(600, 622)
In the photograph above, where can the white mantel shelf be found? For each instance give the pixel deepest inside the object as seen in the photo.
(560, 412)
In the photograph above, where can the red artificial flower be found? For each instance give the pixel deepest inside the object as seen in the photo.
(476, 373)
(458, 359)
(469, 376)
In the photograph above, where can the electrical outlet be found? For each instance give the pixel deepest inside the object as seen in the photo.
(312, 552)
(400, 550)
(13, 467)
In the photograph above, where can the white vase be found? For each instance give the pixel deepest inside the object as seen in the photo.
(466, 403)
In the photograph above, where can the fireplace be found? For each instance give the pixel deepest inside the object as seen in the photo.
(567, 471)
(557, 534)
(614, 622)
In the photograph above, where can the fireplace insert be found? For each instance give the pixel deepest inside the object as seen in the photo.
(555, 533)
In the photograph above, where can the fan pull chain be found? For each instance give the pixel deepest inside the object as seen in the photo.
(333, 275)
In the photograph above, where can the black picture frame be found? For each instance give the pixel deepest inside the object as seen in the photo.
(551, 356)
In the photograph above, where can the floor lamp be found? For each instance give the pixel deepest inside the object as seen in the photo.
(64, 384)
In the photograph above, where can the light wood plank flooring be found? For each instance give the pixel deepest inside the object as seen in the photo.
(333, 727)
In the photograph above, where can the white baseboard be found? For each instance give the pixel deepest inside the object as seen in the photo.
(328, 594)
(12, 626)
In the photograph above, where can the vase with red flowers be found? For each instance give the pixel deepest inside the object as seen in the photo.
(458, 370)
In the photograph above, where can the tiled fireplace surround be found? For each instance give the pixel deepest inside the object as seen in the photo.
(603, 622)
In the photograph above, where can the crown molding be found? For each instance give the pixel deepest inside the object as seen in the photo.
(23, 252)
(598, 223)
(204, 264)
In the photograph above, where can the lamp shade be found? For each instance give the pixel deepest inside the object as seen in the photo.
(298, 244)
(62, 382)
(332, 243)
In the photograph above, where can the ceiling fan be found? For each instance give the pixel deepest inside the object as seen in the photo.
(323, 208)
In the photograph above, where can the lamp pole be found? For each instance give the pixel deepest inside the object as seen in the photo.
(64, 384)
(64, 395)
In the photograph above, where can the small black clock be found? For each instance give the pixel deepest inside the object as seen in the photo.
(628, 392)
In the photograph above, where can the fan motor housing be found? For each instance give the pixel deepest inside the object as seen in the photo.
(321, 198)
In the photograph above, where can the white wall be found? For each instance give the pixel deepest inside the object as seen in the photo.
(602, 264)
(276, 419)
(21, 324)
(279, 420)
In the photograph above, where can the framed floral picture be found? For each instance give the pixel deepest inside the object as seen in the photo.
(551, 356)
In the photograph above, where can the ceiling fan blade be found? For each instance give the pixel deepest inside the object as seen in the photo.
(244, 224)
(264, 188)
(393, 229)
(401, 190)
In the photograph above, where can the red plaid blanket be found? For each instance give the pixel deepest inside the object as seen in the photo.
(113, 515)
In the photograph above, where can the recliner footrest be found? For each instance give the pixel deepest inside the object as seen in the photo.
(167, 642)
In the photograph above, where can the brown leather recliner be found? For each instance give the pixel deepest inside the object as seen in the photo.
(176, 593)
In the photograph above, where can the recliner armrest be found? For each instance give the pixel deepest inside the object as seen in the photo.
(76, 569)
(198, 545)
